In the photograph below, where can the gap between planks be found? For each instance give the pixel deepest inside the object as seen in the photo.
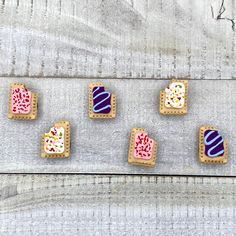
(111, 78)
(116, 174)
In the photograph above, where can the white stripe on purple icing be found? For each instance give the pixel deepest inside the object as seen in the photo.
(101, 100)
(214, 143)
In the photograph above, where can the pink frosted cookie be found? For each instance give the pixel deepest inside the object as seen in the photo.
(143, 146)
(142, 149)
(22, 103)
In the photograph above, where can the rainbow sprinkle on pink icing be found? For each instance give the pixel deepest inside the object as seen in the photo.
(143, 147)
(21, 101)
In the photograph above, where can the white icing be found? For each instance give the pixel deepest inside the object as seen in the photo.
(175, 95)
(54, 140)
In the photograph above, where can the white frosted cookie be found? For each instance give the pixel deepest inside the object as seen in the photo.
(56, 143)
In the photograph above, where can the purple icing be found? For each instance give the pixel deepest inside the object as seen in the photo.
(214, 143)
(101, 100)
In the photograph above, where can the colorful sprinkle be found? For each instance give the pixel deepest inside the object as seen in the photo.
(21, 101)
(54, 140)
(143, 147)
(175, 95)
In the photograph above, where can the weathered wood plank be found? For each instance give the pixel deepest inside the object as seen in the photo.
(134, 39)
(102, 146)
(116, 205)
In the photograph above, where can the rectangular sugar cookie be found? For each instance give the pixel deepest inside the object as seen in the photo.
(102, 104)
(56, 143)
(23, 104)
(215, 143)
(180, 109)
(142, 149)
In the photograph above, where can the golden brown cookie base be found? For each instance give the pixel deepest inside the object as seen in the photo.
(94, 115)
(34, 105)
(140, 162)
(209, 160)
(66, 153)
(170, 110)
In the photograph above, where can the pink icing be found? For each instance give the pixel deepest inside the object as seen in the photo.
(143, 147)
(21, 101)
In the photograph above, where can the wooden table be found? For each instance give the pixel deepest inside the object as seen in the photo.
(134, 47)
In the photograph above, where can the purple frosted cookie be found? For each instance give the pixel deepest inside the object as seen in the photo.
(101, 100)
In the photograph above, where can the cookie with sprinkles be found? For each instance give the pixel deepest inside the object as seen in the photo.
(142, 148)
(174, 99)
(23, 104)
(213, 149)
(102, 103)
(56, 143)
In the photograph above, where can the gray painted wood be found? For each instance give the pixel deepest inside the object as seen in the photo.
(116, 205)
(116, 39)
(123, 38)
(102, 146)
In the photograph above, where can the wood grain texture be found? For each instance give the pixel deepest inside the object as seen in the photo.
(122, 38)
(116, 205)
(102, 146)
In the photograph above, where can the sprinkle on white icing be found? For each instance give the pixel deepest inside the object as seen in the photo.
(54, 140)
(175, 95)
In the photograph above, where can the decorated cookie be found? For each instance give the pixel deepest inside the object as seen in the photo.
(56, 143)
(22, 103)
(173, 100)
(102, 104)
(212, 147)
(142, 148)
